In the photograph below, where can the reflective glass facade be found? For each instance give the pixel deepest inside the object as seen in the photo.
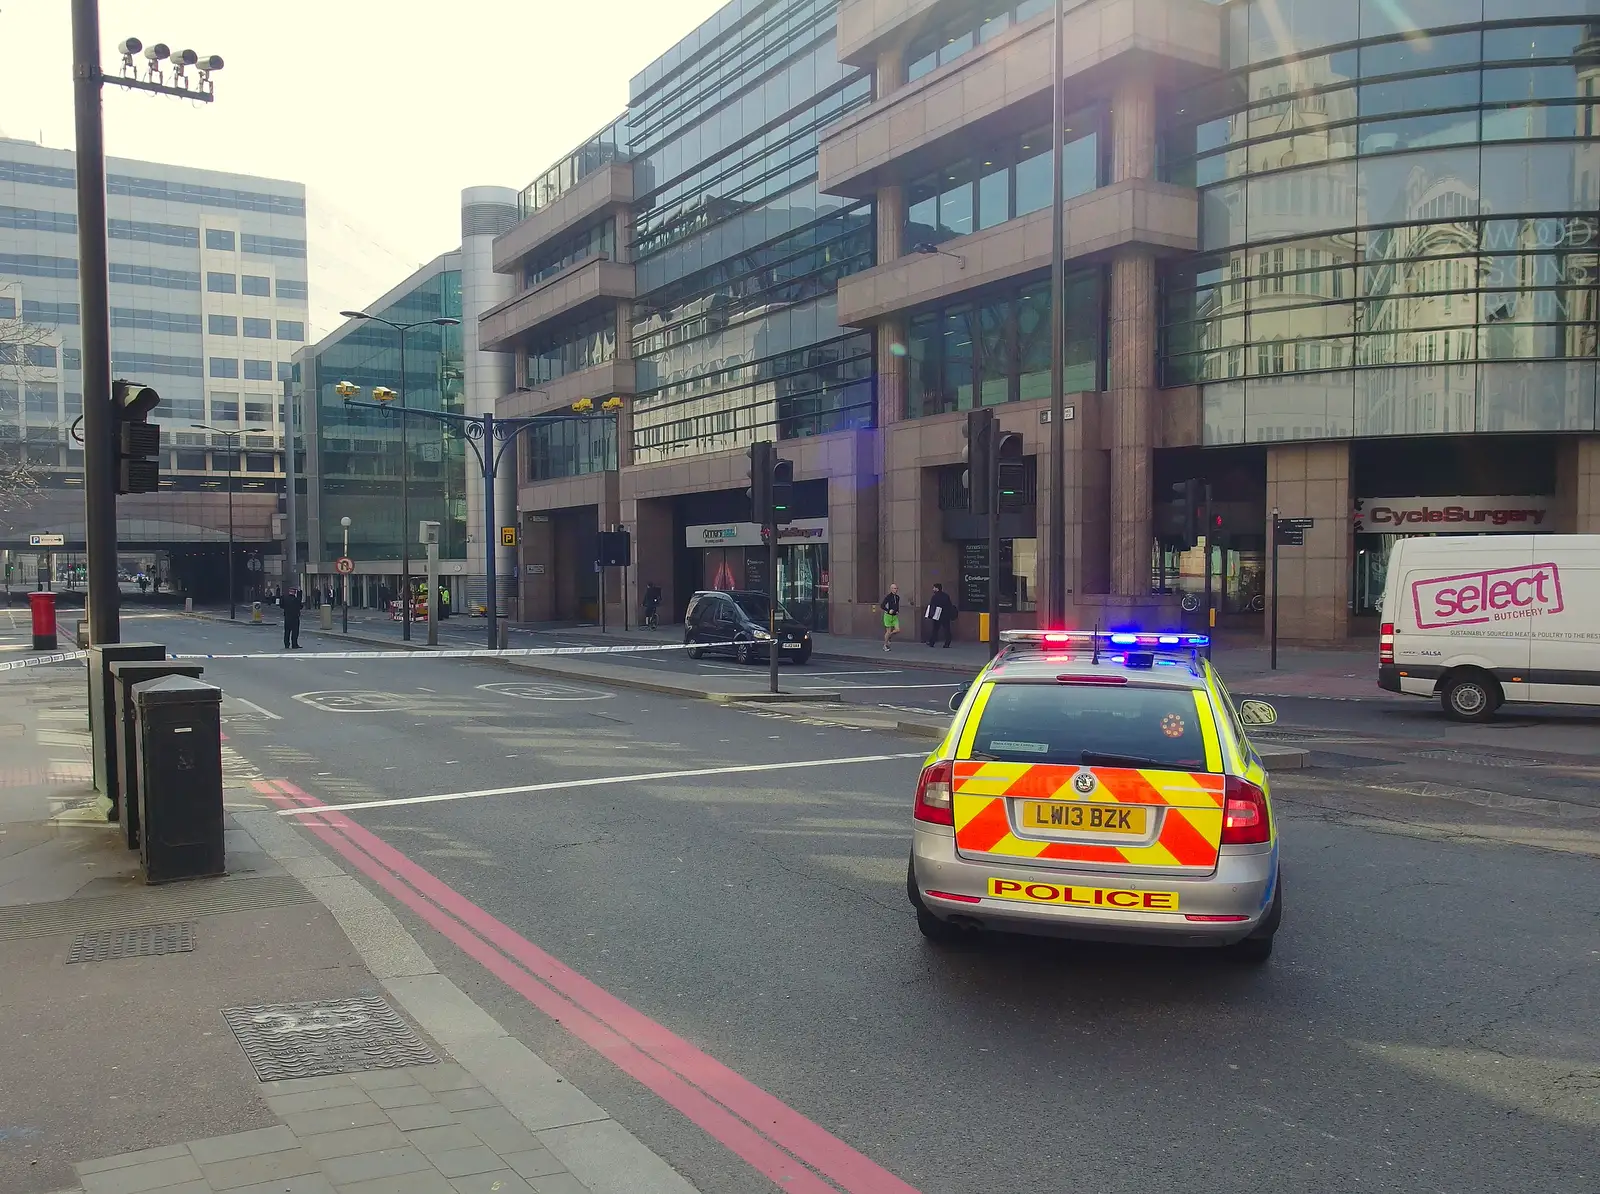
(1398, 218)
(609, 145)
(738, 254)
(357, 461)
(967, 29)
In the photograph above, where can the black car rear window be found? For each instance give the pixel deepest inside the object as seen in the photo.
(1060, 723)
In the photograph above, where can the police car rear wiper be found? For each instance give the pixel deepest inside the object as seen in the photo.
(1094, 758)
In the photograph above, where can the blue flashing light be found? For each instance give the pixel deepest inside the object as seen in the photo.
(1125, 640)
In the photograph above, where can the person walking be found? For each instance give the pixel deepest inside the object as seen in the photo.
(292, 604)
(890, 605)
(941, 614)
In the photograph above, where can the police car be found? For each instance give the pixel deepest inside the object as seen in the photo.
(1101, 786)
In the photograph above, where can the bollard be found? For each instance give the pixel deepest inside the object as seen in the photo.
(327, 616)
(504, 632)
(124, 675)
(178, 760)
(255, 613)
(188, 605)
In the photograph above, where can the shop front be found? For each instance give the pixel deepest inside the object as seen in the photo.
(734, 556)
(1381, 522)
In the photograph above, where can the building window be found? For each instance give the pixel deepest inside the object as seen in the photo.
(189, 462)
(72, 404)
(182, 410)
(221, 283)
(222, 325)
(40, 356)
(256, 284)
(291, 329)
(260, 462)
(219, 238)
(150, 275)
(257, 329)
(258, 412)
(224, 408)
(72, 358)
(156, 321)
(8, 307)
(290, 288)
(949, 40)
(286, 371)
(41, 400)
(598, 241)
(570, 448)
(258, 370)
(271, 246)
(224, 367)
(572, 349)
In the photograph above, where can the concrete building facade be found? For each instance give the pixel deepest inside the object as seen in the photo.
(208, 305)
(1334, 259)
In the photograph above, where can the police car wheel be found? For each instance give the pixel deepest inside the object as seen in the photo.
(1257, 948)
(940, 932)
(1472, 696)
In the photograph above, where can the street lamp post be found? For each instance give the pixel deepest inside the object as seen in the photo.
(484, 432)
(233, 459)
(405, 464)
(344, 614)
(1057, 588)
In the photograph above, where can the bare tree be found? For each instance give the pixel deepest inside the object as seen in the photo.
(19, 480)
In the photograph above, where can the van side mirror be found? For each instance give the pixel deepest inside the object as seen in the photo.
(957, 697)
(1257, 713)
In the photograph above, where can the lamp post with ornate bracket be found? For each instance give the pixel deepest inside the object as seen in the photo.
(489, 437)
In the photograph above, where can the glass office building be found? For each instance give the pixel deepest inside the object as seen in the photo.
(353, 457)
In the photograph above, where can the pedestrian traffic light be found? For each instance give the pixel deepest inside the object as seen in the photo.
(138, 440)
(979, 479)
(1010, 472)
(1192, 494)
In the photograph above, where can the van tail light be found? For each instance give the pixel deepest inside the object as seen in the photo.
(934, 803)
(1245, 820)
(1386, 643)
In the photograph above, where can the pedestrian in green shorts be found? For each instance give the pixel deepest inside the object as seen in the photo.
(891, 614)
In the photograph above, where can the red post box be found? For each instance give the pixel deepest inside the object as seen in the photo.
(44, 620)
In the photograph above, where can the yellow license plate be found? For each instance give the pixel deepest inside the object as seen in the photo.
(1128, 820)
(1114, 898)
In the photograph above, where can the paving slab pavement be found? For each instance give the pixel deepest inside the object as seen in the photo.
(124, 1074)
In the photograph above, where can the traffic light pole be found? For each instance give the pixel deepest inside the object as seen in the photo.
(1211, 614)
(99, 422)
(992, 450)
(772, 606)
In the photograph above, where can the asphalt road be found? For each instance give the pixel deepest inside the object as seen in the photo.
(1430, 1021)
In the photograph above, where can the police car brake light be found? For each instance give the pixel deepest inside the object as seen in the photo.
(1245, 820)
(934, 800)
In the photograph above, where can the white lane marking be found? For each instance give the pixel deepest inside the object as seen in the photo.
(883, 671)
(255, 707)
(600, 781)
(868, 687)
(422, 689)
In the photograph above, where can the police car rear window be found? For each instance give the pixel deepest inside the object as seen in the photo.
(1074, 724)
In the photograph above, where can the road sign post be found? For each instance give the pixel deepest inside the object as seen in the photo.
(1286, 532)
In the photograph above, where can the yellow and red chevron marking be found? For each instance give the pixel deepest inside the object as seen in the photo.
(1189, 805)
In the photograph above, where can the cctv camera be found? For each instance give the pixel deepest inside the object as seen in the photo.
(185, 58)
(211, 62)
(157, 52)
(129, 46)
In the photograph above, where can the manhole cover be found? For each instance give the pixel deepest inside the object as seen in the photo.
(1478, 760)
(342, 1036)
(144, 941)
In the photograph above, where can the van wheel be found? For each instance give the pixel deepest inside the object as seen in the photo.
(1471, 696)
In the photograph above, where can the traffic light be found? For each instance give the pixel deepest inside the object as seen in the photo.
(762, 456)
(1192, 493)
(138, 439)
(782, 491)
(1010, 472)
(980, 483)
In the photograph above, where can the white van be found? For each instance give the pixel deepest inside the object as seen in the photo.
(1485, 619)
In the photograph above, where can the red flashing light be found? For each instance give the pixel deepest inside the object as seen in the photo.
(935, 805)
(1245, 820)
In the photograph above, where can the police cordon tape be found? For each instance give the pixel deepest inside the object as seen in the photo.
(451, 653)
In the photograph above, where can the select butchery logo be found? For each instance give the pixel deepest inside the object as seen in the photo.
(1496, 595)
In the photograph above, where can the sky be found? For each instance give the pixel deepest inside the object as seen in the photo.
(385, 109)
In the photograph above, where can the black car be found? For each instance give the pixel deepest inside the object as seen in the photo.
(738, 623)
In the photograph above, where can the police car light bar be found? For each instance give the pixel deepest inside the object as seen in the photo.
(1174, 641)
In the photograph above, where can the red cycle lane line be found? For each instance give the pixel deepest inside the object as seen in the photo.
(800, 1136)
(718, 1122)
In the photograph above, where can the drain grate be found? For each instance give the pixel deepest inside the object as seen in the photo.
(340, 1036)
(1473, 759)
(141, 941)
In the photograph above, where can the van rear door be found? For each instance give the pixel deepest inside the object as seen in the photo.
(1565, 633)
(1465, 602)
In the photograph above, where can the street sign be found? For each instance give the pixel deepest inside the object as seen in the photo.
(47, 540)
(508, 536)
(344, 565)
(253, 564)
(1291, 532)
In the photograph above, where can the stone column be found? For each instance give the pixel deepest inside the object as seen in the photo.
(1131, 310)
(1577, 504)
(891, 70)
(1313, 481)
(891, 209)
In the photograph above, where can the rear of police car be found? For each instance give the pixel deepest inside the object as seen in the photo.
(1098, 786)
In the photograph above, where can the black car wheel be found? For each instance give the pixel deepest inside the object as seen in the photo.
(696, 652)
(743, 652)
(803, 655)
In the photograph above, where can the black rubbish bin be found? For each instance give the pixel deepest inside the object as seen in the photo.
(124, 675)
(179, 737)
(103, 713)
